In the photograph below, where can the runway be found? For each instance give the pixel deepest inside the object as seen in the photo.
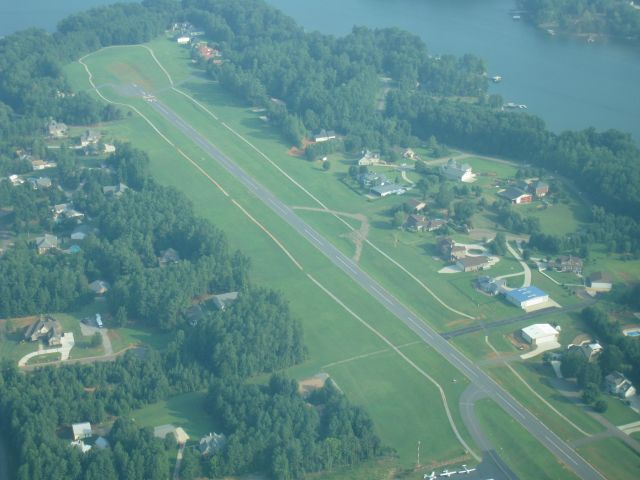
(480, 379)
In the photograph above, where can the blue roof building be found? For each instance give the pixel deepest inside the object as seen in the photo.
(526, 297)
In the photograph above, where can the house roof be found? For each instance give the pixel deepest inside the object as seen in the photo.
(473, 261)
(223, 299)
(539, 330)
(387, 189)
(99, 286)
(101, 442)
(512, 193)
(600, 277)
(526, 293)
(81, 428)
(47, 241)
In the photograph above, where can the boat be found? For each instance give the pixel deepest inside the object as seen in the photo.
(551, 31)
(510, 105)
(516, 17)
(496, 78)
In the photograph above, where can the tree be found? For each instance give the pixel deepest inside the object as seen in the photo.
(399, 218)
(499, 244)
(326, 165)
(611, 359)
(590, 393)
(572, 361)
(445, 196)
(589, 373)
(601, 406)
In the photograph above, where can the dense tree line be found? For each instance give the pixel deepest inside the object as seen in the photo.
(617, 18)
(271, 428)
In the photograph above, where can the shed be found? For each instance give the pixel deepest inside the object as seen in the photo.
(540, 333)
(81, 430)
(600, 281)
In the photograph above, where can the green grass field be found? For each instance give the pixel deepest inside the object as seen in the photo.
(524, 454)
(331, 333)
(613, 458)
(186, 411)
(387, 386)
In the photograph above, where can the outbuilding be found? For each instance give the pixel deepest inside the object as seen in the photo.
(600, 282)
(81, 430)
(540, 333)
(526, 297)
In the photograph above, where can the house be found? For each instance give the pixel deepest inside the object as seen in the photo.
(79, 444)
(449, 250)
(109, 148)
(181, 436)
(540, 333)
(205, 52)
(617, 384)
(490, 285)
(60, 209)
(461, 173)
(16, 180)
(222, 300)
(473, 264)
(211, 443)
(89, 137)
(183, 40)
(47, 328)
(388, 189)
(414, 205)
(38, 164)
(115, 190)
(46, 243)
(102, 443)
(568, 263)
(435, 224)
(324, 136)
(194, 315)
(416, 223)
(57, 129)
(371, 179)
(527, 297)
(539, 189)
(40, 182)
(82, 231)
(591, 351)
(81, 430)
(369, 158)
(600, 282)
(169, 256)
(409, 154)
(516, 196)
(99, 287)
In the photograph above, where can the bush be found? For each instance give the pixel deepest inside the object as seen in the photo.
(601, 406)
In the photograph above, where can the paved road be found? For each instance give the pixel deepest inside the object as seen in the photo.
(554, 443)
(525, 316)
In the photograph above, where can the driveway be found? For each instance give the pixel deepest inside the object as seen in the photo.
(67, 341)
(90, 330)
(527, 270)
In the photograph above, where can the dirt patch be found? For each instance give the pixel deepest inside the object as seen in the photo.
(299, 152)
(358, 236)
(19, 323)
(308, 385)
(461, 322)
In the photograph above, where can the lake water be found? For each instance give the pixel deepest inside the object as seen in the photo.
(568, 82)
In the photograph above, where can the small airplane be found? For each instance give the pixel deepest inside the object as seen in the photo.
(466, 470)
(430, 476)
(448, 473)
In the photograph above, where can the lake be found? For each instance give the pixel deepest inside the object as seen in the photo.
(568, 82)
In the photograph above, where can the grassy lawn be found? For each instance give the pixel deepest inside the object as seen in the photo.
(124, 337)
(562, 428)
(186, 411)
(618, 412)
(522, 452)
(46, 358)
(613, 458)
(331, 333)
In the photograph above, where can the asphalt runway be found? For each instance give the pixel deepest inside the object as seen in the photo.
(481, 380)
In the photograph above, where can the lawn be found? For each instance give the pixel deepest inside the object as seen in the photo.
(522, 452)
(613, 458)
(186, 411)
(46, 358)
(330, 333)
(618, 412)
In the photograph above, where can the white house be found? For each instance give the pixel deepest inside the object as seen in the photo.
(618, 385)
(79, 444)
(183, 40)
(527, 297)
(462, 173)
(540, 333)
(600, 282)
(324, 136)
(81, 430)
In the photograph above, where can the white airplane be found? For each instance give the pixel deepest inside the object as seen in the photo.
(430, 476)
(466, 470)
(448, 473)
